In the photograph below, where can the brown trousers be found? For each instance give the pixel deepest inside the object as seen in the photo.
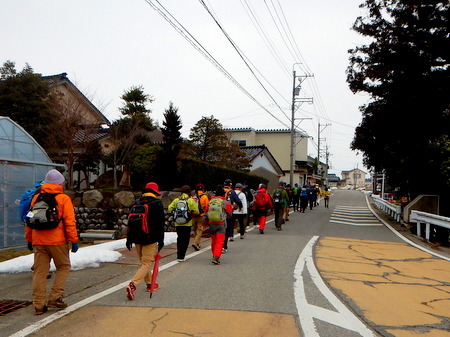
(42, 257)
(146, 257)
(197, 224)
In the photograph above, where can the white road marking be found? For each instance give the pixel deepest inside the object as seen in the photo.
(357, 224)
(342, 317)
(354, 216)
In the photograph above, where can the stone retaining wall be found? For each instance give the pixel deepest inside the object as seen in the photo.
(109, 210)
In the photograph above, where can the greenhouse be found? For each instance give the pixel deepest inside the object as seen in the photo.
(22, 162)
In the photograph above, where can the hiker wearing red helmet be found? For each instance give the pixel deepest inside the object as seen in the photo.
(147, 242)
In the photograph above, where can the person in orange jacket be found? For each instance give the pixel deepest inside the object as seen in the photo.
(198, 220)
(52, 244)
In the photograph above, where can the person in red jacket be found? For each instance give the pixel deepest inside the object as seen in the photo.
(52, 244)
(263, 202)
(217, 211)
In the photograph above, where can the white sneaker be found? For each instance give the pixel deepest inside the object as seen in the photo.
(224, 251)
(181, 260)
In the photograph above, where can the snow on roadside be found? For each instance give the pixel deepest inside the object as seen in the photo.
(86, 257)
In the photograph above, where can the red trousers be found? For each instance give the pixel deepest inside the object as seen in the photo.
(217, 239)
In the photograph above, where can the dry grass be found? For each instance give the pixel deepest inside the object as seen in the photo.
(12, 253)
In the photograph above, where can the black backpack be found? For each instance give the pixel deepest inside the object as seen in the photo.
(277, 197)
(43, 214)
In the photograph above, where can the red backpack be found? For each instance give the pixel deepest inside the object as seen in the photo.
(261, 200)
(138, 219)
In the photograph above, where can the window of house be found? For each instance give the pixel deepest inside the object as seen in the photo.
(240, 142)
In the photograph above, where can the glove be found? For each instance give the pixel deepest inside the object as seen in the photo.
(74, 247)
(30, 246)
(129, 245)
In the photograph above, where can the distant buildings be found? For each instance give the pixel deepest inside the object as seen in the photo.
(278, 141)
(355, 178)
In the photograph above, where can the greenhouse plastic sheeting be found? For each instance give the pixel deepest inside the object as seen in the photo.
(22, 162)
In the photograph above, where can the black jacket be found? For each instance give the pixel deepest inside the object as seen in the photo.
(156, 221)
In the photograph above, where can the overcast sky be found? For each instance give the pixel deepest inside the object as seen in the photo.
(106, 47)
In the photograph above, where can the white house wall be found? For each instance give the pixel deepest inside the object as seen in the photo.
(279, 144)
(262, 161)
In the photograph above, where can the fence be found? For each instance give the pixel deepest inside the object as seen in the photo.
(429, 219)
(393, 210)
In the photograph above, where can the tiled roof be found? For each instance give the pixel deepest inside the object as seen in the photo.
(83, 137)
(252, 151)
(54, 80)
(247, 129)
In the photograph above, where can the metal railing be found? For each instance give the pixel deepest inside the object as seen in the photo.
(428, 219)
(393, 210)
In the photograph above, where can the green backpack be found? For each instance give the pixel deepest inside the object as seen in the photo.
(216, 211)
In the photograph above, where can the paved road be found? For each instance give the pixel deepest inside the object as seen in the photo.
(330, 272)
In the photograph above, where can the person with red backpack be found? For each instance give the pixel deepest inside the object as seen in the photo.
(147, 234)
(232, 198)
(263, 202)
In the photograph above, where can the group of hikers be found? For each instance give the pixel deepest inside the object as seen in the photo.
(228, 206)
(50, 219)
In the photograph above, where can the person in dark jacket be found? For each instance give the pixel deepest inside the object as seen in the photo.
(147, 245)
(233, 199)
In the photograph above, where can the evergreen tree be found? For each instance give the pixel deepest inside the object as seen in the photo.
(25, 98)
(405, 71)
(171, 131)
(209, 140)
(130, 131)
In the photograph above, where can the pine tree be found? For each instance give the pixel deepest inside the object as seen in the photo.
(25, 98)
(405, 71)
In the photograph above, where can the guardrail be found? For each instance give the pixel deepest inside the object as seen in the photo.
(393, 210)
(428, 219)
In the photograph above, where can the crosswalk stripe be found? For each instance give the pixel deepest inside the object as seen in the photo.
(354, 216)
(356, 224)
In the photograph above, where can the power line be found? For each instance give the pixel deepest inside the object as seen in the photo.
(198, 46)
(244, 59)
(266, 39)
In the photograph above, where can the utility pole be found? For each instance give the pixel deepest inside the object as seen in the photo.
(295, 93)
(327, 155)
(319, 131)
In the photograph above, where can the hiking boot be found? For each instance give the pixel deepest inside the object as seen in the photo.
(131, 288)
(196, 247)
(261, 231)
(149, 285)
(59, 303)
(215, 260)
(41, 311)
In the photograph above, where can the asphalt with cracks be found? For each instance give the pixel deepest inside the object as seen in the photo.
(329, 272)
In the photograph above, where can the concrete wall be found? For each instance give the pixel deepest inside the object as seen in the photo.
(423, 203)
